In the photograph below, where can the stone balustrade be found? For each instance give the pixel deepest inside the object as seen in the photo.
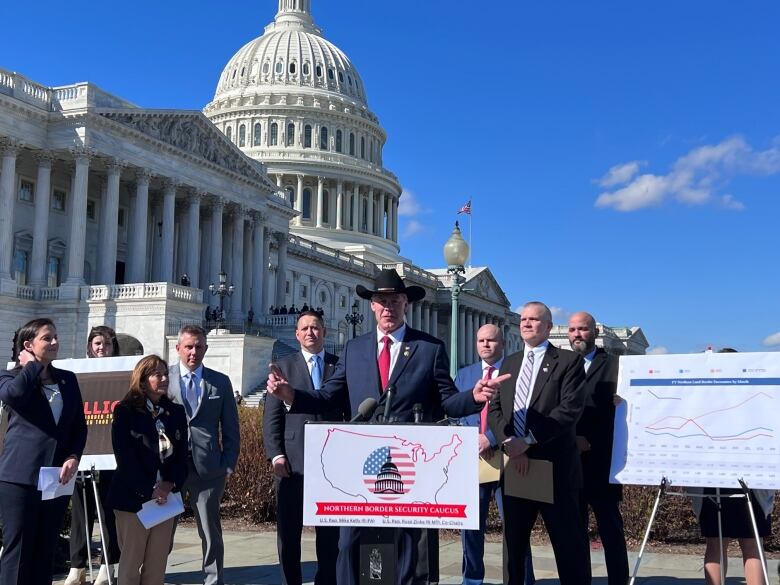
(304, 245)
(142, 290)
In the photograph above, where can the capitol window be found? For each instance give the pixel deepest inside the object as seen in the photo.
(349, 80)
(341, 77)
(290, 192)
(258, 134)
(330, 73)
(20, 267)
(229, 133)
(53, 272)
(323, 138)
(306, 204)
(265, 67)
(305, 68)
(352, 144)
(26, 190)
(338, 140)
(279, 67)
(290, 134)
(292, 68)
(318, 70)
(242, 135)
(307, 136)
(91, 210)
(273, 139)
(58, 198)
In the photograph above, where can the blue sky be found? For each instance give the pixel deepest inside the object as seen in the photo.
(622, 157)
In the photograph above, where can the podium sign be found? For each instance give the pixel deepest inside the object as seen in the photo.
(393, 476)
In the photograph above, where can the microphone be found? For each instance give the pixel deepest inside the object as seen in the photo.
(389, 394)
(365, 410)
(417, 411)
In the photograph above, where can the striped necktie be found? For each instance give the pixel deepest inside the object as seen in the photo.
(522, 391)
(484, 413)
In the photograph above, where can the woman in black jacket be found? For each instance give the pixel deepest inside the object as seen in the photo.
(149, 436)
(46, 428)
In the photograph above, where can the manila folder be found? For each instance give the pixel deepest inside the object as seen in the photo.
(535, 485)
(490, 468)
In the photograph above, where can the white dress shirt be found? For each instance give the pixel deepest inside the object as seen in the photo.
(310, 364)
(395, 348)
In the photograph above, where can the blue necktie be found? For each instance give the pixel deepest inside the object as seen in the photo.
(316, 372)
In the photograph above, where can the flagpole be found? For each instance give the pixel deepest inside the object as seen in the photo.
(471, 248)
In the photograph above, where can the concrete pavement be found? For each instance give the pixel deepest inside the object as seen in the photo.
(251, 559)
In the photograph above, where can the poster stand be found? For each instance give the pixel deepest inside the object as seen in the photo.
(662, 491)
(83, 476)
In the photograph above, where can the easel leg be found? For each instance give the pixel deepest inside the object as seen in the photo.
(759, 546)
(103, 538)
(87, 523)
(661, 490)
(721, 552)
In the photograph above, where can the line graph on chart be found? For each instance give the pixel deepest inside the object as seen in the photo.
(697, 430)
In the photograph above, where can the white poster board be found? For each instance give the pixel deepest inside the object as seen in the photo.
(416, 476)
(699, 420)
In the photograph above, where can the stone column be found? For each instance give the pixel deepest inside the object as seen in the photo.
(354, 217)
(41, 226)
(279, 178)
(137, 256)
(320, 197)
(474, 329)
(395, 219)
(370, 218)
(469, 357)
(217, 209)
(168, 218)
(435, 321)
(425, 323)
(78, 218)
(10, 149)
(482, 319)
(299, 201)
(410, 315)
(339, 204)
(237, 278)
(259, 264)
(417, 315)
(381, 229)
(461, 325)
(248, 253)
(266, 301)
(109, 221)
(193, 237)
(281, 270)
(390, 218)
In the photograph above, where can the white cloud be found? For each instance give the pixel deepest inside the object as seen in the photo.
(695, 178)
(560, 315)
(773, 339)
(657, 350)
(408, 205)
(620, 174)
(412, 228)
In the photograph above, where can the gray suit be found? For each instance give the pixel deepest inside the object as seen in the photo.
(215, 418)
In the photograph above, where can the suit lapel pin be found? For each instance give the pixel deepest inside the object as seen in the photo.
(407, 351)
(546, 368)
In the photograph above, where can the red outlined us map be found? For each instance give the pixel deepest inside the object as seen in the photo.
(396, 475)
(698, 420)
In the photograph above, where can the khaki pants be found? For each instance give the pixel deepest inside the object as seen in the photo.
(144, 553)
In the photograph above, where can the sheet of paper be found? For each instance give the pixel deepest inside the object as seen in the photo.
(50, 486)
(535, 485)
(490, 469)
(152, 513)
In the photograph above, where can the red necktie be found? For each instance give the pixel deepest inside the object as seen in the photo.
(384, 362)
(484, 412)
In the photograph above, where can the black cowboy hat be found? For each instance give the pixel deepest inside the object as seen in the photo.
(388, 282)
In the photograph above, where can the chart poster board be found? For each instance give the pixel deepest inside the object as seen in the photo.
(103, 383)
(394, 476)
(699, 420)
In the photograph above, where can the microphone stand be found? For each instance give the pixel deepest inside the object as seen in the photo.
(377, 546)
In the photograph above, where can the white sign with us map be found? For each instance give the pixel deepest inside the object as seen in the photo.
(418, 476)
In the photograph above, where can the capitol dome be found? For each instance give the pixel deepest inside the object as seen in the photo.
(294, 101)
(291, 52)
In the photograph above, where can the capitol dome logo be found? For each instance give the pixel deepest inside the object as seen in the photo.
(388, 473)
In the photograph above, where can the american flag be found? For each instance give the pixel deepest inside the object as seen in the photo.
(373, 465)
(466, 208)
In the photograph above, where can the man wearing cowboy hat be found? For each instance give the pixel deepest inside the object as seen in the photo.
(412, 362)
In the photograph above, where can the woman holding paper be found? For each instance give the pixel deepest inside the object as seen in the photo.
(149, 436)
(101, 342)
(46, 429)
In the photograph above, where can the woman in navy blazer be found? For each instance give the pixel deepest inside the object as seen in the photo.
(46, 428)
(149, 436)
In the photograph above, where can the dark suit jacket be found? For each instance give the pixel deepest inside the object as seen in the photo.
(597, 424)
(555, 407)
(136, 448)
(282, 432)
(33, 440)
(421, 375)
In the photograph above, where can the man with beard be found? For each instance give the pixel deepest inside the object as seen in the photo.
(594, 441)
